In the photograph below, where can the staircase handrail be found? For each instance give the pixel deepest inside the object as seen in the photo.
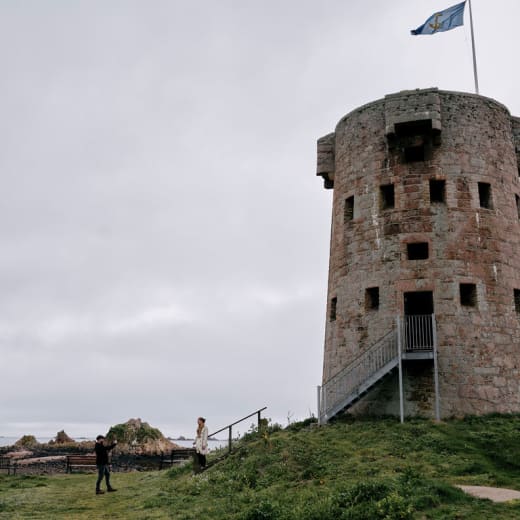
(359, 358)
(229, 427)
(380, 358)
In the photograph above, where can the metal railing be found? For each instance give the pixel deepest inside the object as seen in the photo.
(229, 427)
(417, 332)
(413, 334)
(337, 390)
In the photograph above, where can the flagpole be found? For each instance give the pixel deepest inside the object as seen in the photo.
(473, 46)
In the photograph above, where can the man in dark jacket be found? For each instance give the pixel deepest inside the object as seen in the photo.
(102, 463)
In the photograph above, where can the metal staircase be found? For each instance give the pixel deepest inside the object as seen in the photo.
(414, 338)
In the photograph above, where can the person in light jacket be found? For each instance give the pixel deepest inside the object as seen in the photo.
(201, 442)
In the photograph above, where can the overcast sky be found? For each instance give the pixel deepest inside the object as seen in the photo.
(164, 238)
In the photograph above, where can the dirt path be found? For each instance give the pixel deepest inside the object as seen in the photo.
(492, 493)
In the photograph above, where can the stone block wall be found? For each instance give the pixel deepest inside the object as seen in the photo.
(470, 145)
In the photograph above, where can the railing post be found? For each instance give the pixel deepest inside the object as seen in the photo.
(319, 403)
(230, 439)
(400, 357)
(324, 404)
(259, 420)
(435, 370)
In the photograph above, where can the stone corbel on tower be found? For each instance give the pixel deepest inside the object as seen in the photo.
(515, 122)
(326, 160)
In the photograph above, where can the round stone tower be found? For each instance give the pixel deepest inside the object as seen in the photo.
(424, 276)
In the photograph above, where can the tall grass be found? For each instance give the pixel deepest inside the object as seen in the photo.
(353, 469)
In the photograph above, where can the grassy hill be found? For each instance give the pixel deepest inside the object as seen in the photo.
(355, 470)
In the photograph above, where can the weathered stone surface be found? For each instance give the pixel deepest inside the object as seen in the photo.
(325, 166)
(472, 140)
(412, 106)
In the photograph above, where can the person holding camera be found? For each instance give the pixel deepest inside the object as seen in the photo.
(102, 463)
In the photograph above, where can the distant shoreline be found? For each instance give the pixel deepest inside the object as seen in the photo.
(7, 440)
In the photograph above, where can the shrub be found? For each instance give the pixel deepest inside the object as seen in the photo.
(362, 492)
(369, 500)
(301, 425)
(394, 507)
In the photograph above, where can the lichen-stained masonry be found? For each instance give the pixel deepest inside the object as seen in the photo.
(426, 205)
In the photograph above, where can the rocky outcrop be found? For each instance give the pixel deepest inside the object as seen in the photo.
(27, 441)
(138, 437)
(62, 438)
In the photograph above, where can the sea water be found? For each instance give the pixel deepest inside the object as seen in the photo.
(185, 443)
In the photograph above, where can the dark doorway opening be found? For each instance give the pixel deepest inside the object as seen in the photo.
(418, 302)
(418, 326)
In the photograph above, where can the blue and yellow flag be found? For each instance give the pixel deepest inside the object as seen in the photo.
(442, 20)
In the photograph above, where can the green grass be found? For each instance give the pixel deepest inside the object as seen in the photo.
(351, 470)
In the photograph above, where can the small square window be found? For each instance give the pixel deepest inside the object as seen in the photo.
(414, 153)
(349, 209)
(333, 305)
(372, 298)
(437, 190)
(517, 300)
(417, 251)
(484, 195)
(468, 294)
(387, 196)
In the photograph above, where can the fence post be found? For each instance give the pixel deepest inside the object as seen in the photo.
(230, 440)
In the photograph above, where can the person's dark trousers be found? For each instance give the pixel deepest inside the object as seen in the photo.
(199, 462)
(103, 471)
(202, 460)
